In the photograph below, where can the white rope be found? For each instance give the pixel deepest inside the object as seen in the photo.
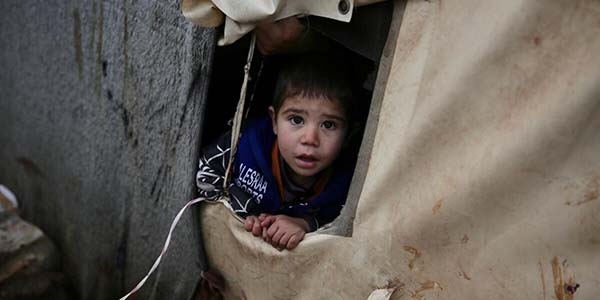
(235, 134)
(239, 113)
(164, 249)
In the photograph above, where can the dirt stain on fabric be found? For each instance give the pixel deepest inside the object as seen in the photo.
(438, 205)
(394, 284)
(462, 273)
(543, 280)
(592, 192)
(393, 287)
(564, 284)
(589, 196)
(425, 286)
(416, 255)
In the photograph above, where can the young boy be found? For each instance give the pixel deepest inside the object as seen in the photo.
(291, 173)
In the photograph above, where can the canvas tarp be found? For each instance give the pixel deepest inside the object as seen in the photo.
(483, 176)
(241, 17)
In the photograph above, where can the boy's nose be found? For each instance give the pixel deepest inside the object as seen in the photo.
(310, 136)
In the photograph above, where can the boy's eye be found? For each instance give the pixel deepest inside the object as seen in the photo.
(296, 120)
(329, 125)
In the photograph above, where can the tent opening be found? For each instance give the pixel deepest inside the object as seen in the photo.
(360, 48)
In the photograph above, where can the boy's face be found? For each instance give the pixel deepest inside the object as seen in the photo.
(310, 133)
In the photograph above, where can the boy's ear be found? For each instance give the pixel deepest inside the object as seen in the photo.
(273, 119)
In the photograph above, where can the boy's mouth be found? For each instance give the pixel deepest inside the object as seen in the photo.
(306, 161)
(307, 157)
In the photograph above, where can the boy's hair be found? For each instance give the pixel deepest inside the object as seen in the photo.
(316, 75)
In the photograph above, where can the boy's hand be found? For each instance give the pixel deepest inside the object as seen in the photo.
(258, 224)
(278, 37)
(284, 232)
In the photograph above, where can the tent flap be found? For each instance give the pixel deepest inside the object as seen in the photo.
(484, 175)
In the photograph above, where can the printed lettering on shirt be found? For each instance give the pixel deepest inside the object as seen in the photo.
(251, 181)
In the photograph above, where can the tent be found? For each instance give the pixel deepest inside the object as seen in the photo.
(481, 177)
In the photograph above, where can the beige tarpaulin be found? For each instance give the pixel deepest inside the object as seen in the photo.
(241, 17)
(484, 177)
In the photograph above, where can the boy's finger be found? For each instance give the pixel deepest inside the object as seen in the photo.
(276, 238)
(295, 240)
(270, 232)
(264, 233)
(267, 221)
(249, 222)
(284, 241)
(272, 229)
(256, 229)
